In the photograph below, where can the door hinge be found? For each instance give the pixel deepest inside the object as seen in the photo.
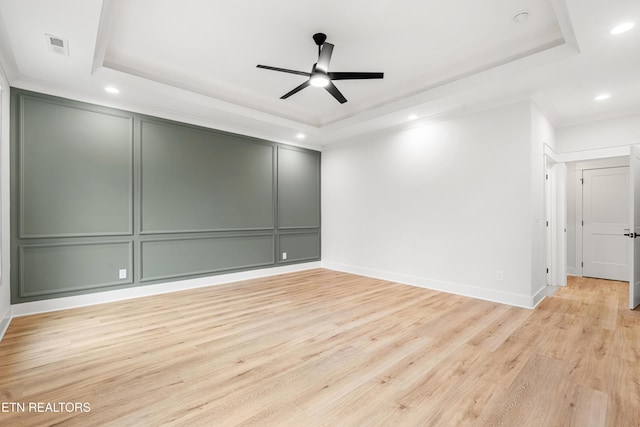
(582, 181)
(546, 176)
(547, 271)
(582, 223)
(582, 264)
(547, 223)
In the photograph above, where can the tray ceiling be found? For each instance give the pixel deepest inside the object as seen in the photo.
(213, 47)
(195, 60)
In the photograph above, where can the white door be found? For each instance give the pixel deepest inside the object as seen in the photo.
(634, 281)
(605, 212)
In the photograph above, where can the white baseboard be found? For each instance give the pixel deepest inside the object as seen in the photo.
(518, 300)
(4, 322)
(542, 292)
(27, 308)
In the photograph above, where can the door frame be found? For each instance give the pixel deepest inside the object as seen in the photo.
(555, 236)
(576, 157)
(549, 205)
(588, 155)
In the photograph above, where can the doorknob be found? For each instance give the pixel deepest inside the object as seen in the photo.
(631, 235)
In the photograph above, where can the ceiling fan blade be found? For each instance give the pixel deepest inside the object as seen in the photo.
(355, 76)
(325, 57)
(284, 70)
(333, 90)
(296, 90)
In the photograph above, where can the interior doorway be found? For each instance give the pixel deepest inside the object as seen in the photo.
(625, 164)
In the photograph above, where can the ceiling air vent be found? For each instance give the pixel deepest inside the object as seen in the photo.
(57, 44)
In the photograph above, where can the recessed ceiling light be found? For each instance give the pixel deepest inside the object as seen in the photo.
(622, 28)
(300, 136)
(412, 117)
(521, 16)
(112, 89)
(602, 97)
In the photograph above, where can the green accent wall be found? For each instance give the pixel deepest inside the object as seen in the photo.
(106, 199)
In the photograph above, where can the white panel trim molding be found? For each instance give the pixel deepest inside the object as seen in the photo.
(518, 300)
(4, 322)
(27, 308)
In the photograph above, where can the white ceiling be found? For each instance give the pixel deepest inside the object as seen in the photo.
(195, 60)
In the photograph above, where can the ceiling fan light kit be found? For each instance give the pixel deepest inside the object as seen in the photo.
(319, 79)
(320, 76)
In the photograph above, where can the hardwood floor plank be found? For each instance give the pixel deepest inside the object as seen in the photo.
(495, 333)
(581, 407)
(529, 393)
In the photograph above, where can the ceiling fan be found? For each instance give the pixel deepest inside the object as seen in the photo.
(320, 76)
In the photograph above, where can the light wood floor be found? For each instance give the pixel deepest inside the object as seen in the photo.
(322, 348)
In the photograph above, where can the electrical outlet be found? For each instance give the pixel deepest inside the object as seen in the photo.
(284, 256)
(499, 276)
(122, 273)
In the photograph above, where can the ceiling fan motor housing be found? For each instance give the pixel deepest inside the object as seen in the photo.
(319, 38)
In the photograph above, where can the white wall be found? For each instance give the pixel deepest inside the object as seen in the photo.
(443, 205)
(5, 294)
(614, 132)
